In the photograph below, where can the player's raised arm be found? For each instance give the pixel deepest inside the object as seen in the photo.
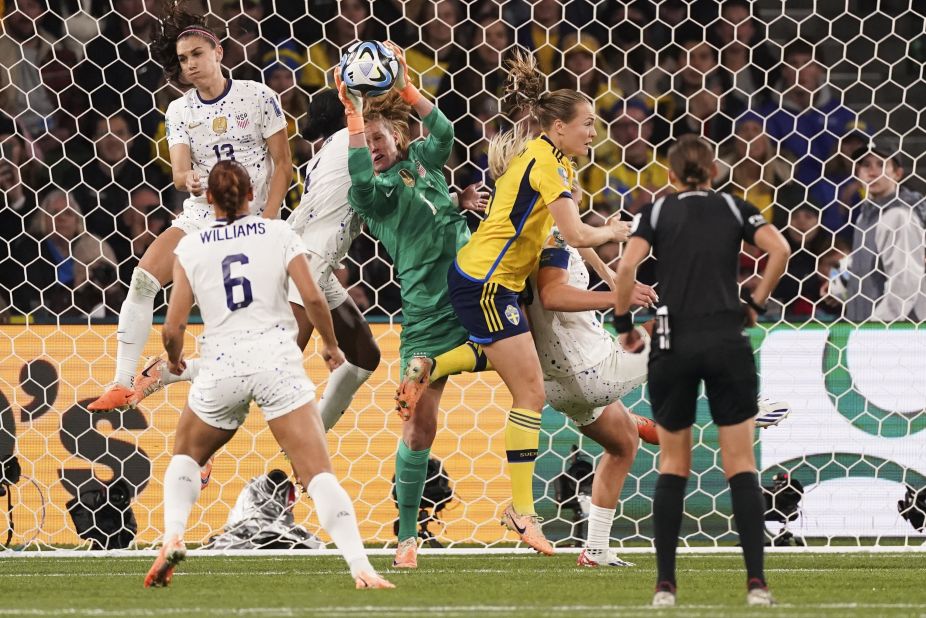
(282, 157)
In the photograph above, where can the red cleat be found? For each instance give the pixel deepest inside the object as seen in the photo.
(646, 428)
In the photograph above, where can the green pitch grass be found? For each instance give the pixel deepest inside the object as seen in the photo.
(709, 585)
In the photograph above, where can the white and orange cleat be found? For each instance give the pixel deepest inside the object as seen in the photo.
(162, 571)
(646, 428)
(149, 379)
(406, 554)
(528, 528)
(205, 473)
(608, 558)
(116, 397)
(416, 380)
(372, 581)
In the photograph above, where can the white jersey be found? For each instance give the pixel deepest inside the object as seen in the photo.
(235, 125)
(324, 219)
(567, 342)
(238, 272)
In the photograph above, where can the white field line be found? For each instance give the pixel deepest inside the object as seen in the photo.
(463, 551)
(431, 609)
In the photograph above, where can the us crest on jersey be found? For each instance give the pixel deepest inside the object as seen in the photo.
(242, 119)
(220, 124)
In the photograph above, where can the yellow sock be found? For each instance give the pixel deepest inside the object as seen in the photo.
(463, 358)
(522, 441)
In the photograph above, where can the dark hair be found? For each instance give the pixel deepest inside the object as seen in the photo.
(175, 24)
(797, 48)
(228, 187)
(690, 159)
(326, 115)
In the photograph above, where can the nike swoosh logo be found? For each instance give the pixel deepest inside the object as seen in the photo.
(389, 192)
(193, 125)
(518, 528)
(144, 371)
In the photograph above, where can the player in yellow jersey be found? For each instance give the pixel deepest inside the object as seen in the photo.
(534, 181)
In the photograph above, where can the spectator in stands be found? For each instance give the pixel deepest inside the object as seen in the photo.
(748, 69)
(886, 279)
(17, 205)
(111, 175)
(117, 69)
(26, 54)
(61, 257)
(137, 227)
(543, 34)
(752, 170)
(581, 72)
(627, 172)
(839, 190)
(808, 120)
(246, 51)
(436, 56)
(351, 23)
(799, 289)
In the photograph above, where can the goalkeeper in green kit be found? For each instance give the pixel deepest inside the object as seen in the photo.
(400, 191)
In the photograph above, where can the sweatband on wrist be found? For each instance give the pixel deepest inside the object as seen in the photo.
(623, 323)
(354, 124)
(410, 94)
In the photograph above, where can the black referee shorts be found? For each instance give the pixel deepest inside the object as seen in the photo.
(724, 361)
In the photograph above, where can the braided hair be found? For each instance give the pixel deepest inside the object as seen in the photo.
(229, 187)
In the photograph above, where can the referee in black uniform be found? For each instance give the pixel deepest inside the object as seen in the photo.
(696, 235)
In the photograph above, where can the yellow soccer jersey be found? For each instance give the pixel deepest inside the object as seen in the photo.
(507, 243)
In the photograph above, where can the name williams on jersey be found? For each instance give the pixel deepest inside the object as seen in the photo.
(229, 232)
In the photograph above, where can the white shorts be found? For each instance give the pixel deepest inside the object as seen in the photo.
(197, 215)
(224, 403)
(584, 396)
(324, 276)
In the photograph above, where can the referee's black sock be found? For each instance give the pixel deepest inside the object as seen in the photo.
(668, 505)
(749, 514)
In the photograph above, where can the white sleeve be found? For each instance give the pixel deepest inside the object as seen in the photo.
(900, 256)
(175, 124)
(271, 113)
(291, 242)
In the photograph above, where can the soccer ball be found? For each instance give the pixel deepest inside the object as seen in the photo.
(368, 68)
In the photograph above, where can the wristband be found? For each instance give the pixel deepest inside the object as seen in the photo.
(354, 124)
(746, 297)
(410, 94)
(623, 323)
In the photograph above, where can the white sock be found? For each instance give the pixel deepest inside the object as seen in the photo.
(337, 517)
(181, 490)
(600, 521)
(134, 324)
(343, 384)
(192, 368)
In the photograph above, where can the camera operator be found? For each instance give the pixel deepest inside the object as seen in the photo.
(696, 236)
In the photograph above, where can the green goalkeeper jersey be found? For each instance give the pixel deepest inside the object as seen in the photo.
(408, 208)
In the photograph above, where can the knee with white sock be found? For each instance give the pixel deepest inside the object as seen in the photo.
(181, 491)
(135, 323)
(336, 515)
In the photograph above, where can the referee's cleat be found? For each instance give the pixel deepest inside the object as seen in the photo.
(771, 412)
(149, 379)
(664, 595)
(646, 428)
(162, 571)
(759, 595)
(416, 380)
(116, 397)
(406, 554)
(608, 557)
(371, 581)
(528, 528)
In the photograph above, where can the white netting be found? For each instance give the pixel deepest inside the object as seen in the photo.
(787, 90)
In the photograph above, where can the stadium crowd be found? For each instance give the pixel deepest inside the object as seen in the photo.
(84, 174)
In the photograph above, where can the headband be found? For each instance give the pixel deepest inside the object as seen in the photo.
(198, 30)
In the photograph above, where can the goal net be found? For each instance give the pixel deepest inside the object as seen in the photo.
(787, 91)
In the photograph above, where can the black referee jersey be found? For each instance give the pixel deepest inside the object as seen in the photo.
(696, 238)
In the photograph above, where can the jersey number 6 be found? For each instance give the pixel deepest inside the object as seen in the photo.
(233, 282)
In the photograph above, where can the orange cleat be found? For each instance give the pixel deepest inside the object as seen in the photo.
(416, 380)
(646, 428)
(162, 571)
(116, 397)
(372, 581)
(528, 528)
(205, 473)
(406, 554)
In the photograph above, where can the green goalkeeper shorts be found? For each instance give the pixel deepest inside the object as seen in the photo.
(430, 336)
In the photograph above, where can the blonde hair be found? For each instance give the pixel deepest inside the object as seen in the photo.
(525, 91)
(391, 109)
(42, 224)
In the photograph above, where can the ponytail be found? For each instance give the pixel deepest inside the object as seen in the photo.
(228, 187)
